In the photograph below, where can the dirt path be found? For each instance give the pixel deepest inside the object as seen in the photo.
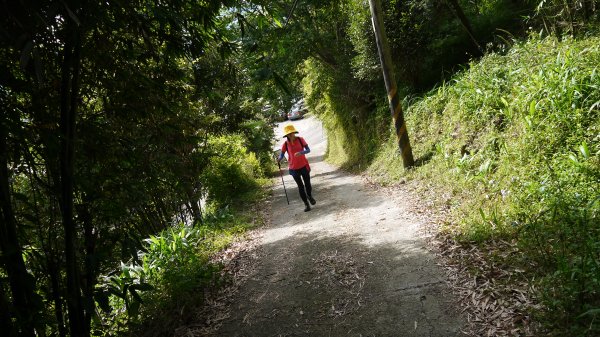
(356, 265)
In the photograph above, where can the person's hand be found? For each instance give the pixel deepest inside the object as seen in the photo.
(297, 154)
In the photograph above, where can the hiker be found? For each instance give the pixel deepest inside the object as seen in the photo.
(296, 148)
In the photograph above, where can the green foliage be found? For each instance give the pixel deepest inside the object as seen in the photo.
(146, 84)
(561, 233)
(514, 145)
(259, 135)
(427, 41)
(565, 17)
(133, 113)
(334, 97)
(171, 276)
(233, 170)
(119, 297)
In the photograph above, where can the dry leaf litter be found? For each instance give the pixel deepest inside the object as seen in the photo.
(495, 298)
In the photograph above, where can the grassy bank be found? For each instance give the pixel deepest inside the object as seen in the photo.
(512, 147)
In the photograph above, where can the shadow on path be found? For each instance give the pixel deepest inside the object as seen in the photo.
(355, 265)
(314, 286)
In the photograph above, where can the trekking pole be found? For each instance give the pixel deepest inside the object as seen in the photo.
(281, 173)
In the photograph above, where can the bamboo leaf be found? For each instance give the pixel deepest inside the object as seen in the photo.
(102, 301)
(532, 107)
(72, 15)
(142, 286)
(585, 151)
(135, 295)
(591, 312)
(573, 158)
(281, 83)
(482, 214)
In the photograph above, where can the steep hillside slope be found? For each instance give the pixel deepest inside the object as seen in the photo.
(511, 147)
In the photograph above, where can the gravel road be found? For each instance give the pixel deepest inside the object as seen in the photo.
(356, 265)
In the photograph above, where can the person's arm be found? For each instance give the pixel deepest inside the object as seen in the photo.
(306, 148)
(282, 152)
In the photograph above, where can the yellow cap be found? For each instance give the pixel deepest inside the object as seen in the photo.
(289, 129)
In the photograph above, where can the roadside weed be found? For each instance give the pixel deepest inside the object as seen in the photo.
(170, 277)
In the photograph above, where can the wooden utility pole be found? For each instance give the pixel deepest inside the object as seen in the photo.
(390, 83)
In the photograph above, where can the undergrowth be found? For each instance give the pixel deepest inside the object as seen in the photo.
(513, 146)
(160, 288)
(170, 278)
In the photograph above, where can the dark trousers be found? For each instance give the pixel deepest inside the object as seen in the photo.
(304, 188)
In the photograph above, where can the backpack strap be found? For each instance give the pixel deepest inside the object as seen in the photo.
(287, 146)
(300, 140)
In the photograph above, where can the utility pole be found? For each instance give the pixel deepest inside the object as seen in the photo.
(390, 83)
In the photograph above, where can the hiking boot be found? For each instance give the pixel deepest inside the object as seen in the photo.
(312, 200)
(307, 208)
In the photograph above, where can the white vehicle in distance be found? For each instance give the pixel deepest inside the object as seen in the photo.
(297, 111)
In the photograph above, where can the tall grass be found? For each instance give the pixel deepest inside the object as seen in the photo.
(563, 17)
(513, 145)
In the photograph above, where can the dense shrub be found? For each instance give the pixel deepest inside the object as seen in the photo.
(259, 135)
(427, 43)
(566, 17)
(232, 171)
(167, 280)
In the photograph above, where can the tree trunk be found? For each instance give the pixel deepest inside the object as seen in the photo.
(195, 208)
(68, 113)
(161, 210)
(197, 212)
(56, 294)
(22, 285)
(47, 245)
(464, 21)
(90, 274)
(5, 320)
